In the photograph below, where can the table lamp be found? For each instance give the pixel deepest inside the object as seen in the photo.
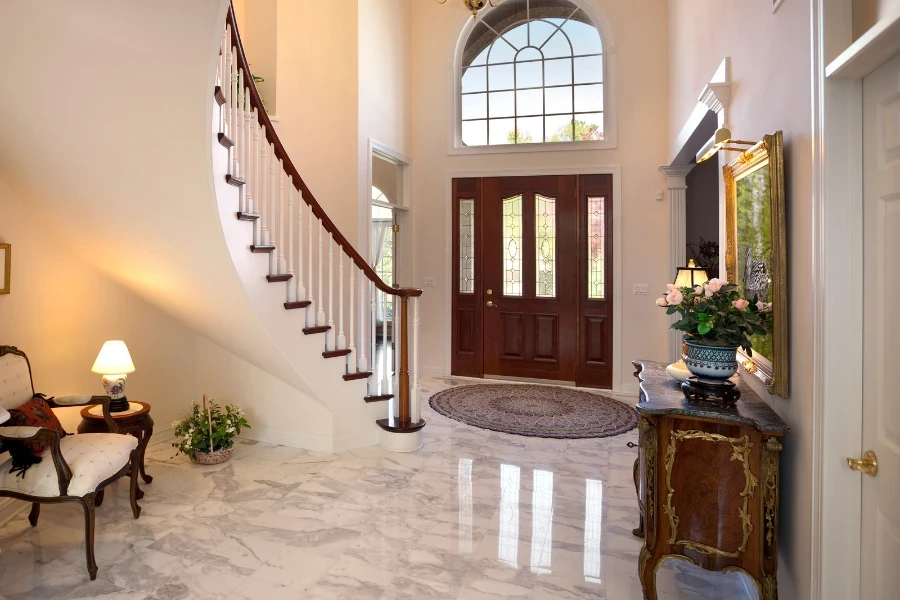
(691, 275)
(114, 363)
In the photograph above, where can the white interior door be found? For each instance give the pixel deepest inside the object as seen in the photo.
(881, 347)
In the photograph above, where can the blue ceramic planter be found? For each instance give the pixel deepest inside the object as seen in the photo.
(711, 363)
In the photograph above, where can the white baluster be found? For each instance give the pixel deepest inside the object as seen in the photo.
(414, 392)
(226, 91)
(351, 358)
(235, 98)
(384, 344)
(238, 167)
(248, 160)
(341, 338)
(320, 315)
(363, 364)
(329, 335)
(301, 290)
(274, 209)
(372, 339)
(291, 287)
(311, 310)
(396, 324)
(263, 191)
(282, 261)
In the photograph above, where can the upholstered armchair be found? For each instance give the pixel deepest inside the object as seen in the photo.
(72, 468)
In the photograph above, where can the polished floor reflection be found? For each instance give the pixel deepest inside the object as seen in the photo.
(474, 515)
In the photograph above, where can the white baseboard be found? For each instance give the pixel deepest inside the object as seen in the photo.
(9, 508)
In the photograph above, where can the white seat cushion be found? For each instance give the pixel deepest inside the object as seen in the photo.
(15, 381)
(93, 457)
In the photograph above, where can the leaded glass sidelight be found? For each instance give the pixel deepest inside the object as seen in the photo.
(545, 245)
(512, 246)
(596, 219)
(532, 72)
(467, 246)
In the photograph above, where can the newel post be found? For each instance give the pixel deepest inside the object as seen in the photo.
(403, 382)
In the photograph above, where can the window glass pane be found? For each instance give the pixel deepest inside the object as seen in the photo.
(501, 52)
(481, 59)
(474, 133)
(558, 100)
(529, 130)
(589, 69)
(588, 127)
(502, 104)
(529, 53)
(474, 106)
(517, 36)
(501, 78)
(467, 246)
(585, 38)
(474, 80)
(541, 32)
(530, 102)
(512, 246)
(545, 245)
(589, 98)
(596, 250)
(557, 46)
(382, 221)
(529, 75)
(559, 128)
(501, 131)
(558, 72)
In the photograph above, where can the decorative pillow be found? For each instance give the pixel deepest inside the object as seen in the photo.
(34, 413)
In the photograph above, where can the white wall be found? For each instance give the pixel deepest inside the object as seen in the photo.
(640, 33)
(701, 33)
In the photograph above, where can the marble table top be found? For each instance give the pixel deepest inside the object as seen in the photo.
(662, 396)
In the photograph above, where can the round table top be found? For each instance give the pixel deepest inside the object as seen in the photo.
(134, 409)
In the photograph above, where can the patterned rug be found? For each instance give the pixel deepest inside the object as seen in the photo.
(536, 410)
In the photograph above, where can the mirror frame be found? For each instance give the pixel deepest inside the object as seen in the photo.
(767, 153)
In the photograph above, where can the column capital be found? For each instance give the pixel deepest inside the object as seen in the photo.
(676, 175)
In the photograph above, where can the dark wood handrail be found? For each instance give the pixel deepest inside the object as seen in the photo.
(291, 170)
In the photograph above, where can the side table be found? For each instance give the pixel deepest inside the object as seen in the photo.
(135, 421)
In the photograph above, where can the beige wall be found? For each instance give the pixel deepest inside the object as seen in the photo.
(640, 33)
(771, 91)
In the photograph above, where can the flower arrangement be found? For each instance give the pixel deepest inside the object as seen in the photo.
(715, 314)
(208, 428)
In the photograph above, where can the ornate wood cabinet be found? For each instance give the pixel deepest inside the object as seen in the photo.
(707, 480)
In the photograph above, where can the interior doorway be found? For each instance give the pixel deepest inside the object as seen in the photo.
(532, 273)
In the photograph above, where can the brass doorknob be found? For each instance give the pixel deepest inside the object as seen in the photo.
(491, 304)
(867, 465)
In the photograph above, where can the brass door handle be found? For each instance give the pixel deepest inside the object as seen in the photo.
(868, 464)
(490, 304)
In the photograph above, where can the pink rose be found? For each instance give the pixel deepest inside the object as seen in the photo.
(760, 305)
(698, 290)
(714, 286)
(741, 304)
(661, 302)
(670, 287)
(675, 297)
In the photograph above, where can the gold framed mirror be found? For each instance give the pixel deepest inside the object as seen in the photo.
(756, 251)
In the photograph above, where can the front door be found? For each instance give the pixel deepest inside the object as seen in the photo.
(881, 331)
(532, 278)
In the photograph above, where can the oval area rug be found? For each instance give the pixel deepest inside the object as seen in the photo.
(536, 410)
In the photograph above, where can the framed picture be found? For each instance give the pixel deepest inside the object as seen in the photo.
(5, 262)
(756, 251)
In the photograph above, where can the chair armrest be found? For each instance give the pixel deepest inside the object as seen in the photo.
(66, 401)
(42, 434)
(4, 415)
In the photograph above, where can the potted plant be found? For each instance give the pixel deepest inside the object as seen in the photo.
(716, 320)
(206, 435)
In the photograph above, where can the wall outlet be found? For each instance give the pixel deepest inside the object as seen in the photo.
(428, 282)
(642, 288)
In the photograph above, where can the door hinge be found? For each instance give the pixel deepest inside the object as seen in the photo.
(396, 229)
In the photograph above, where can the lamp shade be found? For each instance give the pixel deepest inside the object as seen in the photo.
(690, 276)
(113, 359)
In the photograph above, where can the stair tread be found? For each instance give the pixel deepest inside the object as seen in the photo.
(379, 398)
(262, 248)
(225, 140)
(219, 95)
(336, 353)
(235, 181)
(279, 278)
(317, 329)
(247, 216)
(360, 375)
(394, 425)
(296, 305)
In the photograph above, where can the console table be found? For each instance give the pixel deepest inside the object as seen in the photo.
(707, 481)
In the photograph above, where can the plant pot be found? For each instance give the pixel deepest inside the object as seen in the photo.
(711, 364)
(213, 458)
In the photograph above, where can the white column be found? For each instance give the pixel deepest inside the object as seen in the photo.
(676, 196)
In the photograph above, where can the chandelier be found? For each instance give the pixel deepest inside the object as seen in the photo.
(475, 5)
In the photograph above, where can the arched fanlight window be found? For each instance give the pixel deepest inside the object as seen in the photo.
(532, 72)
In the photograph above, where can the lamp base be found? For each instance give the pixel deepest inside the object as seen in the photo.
(117, 405)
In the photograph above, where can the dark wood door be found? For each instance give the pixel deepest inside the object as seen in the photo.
(532, 278)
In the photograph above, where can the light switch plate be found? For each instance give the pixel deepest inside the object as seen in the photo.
(428, 282)
(642, 288)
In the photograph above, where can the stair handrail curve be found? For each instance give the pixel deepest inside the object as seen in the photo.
(294, 174)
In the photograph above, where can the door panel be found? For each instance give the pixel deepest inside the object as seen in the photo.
(529, 232)
(881, 331)
(466, 326)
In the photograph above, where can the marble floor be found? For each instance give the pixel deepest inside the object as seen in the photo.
(473, 515)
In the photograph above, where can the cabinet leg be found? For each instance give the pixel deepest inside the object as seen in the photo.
(639, 532)
(647, 574)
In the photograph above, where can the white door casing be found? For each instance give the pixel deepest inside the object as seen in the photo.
(880, 569)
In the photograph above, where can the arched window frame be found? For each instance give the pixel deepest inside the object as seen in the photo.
(601, 23)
